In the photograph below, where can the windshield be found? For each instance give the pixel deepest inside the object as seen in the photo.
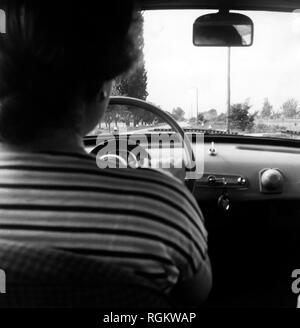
(249, 90)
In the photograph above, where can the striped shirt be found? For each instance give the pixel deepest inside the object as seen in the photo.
(140, 219)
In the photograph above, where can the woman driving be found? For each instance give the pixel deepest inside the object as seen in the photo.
(57, 63)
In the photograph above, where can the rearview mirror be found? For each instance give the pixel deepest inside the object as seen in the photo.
(223, 29)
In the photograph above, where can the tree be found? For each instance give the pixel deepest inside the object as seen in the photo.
(276, 115)
(112, 115)
(178, 114)
(266, 111)
(135, 83)
(240, 118)
(290, 108)
(221, 117)
(200, 117)
(210, 114)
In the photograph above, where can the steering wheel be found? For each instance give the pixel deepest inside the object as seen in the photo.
(134, 102)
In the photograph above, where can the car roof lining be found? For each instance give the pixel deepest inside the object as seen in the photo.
(263, 5)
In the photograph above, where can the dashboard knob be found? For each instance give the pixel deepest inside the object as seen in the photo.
(271, 181)
(242, 181)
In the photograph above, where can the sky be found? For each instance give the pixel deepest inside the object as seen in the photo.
(176, 69)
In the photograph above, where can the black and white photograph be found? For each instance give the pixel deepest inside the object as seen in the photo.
(149, 158)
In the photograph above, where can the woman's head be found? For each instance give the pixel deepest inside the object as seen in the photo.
(57, 59)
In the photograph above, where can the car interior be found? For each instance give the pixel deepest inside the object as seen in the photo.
(249, 186)
(245, 180)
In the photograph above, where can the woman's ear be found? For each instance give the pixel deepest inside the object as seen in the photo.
(104, 92)
(102, 95)
(94, 110)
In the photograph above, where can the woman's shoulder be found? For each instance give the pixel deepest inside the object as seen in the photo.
(83, 166)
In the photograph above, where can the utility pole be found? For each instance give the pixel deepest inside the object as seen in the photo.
(228, 88)
(197, 104)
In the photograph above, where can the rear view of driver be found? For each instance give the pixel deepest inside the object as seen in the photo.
(57, 63)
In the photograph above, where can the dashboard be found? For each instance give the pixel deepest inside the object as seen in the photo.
(250, 171)
(248, 168)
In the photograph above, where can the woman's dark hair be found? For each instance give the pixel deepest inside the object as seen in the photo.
(54, 54)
